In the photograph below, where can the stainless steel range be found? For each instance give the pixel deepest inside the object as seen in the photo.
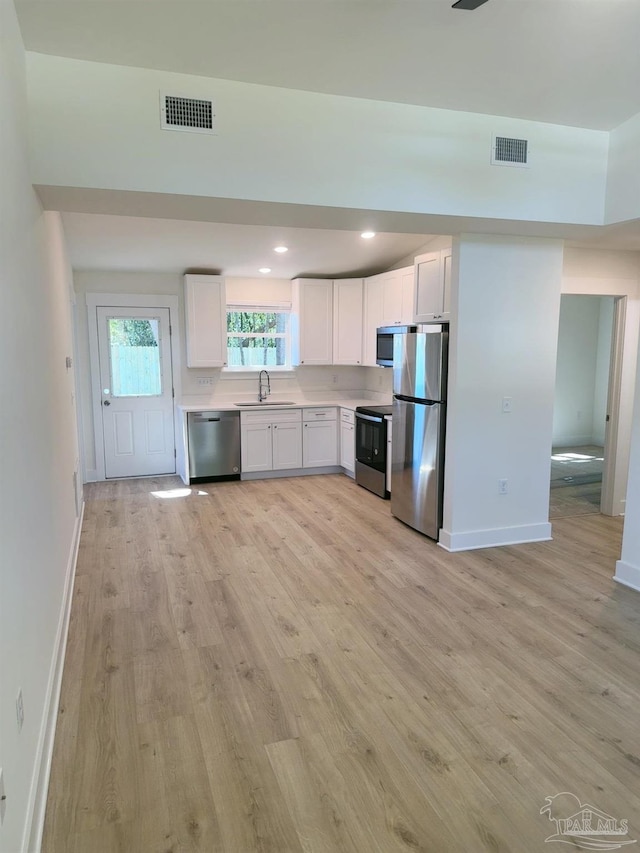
(371, 448)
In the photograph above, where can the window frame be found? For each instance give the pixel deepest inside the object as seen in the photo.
(262, 308)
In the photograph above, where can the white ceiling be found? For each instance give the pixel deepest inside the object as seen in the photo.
(573, 62)
(98, 241)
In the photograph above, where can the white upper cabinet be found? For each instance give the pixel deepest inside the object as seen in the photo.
(312, 331)
(388, 301)
(397, 297)
(206, 320)
(373, 313)
(347, 321)
(433, 286)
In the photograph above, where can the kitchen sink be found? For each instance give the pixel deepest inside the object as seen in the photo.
(268, 403)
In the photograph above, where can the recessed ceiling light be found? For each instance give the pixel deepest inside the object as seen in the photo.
(264, 269)
(281, 249)
(367, 235)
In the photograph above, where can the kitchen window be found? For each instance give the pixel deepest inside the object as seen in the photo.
(258, 337)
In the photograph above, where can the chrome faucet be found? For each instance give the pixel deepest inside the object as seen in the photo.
(263, 392)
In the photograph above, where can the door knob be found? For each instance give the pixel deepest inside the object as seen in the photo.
(106, 403)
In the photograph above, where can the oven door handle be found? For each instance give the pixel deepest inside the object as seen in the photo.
(376, 420)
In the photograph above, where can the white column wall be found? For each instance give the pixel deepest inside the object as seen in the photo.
(38, 517)
(506, 298)
(628, 566)
(623, 178)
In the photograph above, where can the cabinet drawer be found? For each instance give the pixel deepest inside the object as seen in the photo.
(319, 413)
(271, 416)
(347, 416)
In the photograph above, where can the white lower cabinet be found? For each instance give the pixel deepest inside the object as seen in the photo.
(347, 440)
(287, 445)
(319, 437)
(270, 441)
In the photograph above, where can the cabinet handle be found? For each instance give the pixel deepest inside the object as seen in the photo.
(275, 426)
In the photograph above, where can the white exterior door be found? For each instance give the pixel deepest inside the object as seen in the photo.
(136, 389)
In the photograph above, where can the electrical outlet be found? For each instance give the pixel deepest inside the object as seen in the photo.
(335, 378)
(20, 710)
(3, 797)
(503, 487)
(204, 380)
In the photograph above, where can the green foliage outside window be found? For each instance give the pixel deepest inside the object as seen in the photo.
(131, 333)
(257, 338)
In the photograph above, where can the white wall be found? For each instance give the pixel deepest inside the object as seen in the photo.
(607, 273)
(582, 370)
(38, 508)
(603, 364)
(97, 125)
(506, 298)
(623, 180)
(628, 567)
(435, 244)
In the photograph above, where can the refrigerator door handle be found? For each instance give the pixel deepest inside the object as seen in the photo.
(405, 399)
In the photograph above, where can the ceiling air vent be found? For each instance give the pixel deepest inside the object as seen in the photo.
(191, 114)
(509, 152)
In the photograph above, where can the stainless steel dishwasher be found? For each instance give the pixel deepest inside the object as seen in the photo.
(214, 445)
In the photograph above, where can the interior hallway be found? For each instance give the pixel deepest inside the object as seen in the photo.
(576, 480)
(280, 665)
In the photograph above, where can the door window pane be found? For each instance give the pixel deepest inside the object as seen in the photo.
(134, 356)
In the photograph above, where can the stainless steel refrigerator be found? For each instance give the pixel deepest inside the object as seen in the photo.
(419, 414)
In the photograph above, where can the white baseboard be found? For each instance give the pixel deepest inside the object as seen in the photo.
(291, 472)
(92, 475)
(627, 575)
(34, 823)
(494, 537)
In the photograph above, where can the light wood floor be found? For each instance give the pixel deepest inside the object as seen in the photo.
(280, 665)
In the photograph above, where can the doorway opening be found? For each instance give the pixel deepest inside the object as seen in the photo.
(133, 384)
(585, 402)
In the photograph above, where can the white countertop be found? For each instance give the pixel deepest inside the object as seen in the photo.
(202, 404)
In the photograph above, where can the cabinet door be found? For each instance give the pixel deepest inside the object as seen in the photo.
(428, 274)
(256, 448)
(312, 305)
(392, 298)
(287, 445)
(407, 279)
(347, 446)
(373, 313)
(347, 321)
(446, 284)
(319, 444)
(206, 320)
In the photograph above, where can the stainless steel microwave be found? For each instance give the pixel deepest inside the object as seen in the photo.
(384, 342)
